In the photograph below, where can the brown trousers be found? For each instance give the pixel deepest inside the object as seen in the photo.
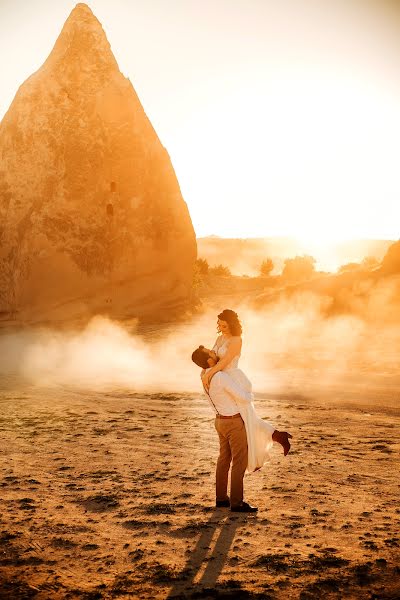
(232, 449)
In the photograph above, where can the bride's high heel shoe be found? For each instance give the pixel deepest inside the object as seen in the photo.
(282, 438)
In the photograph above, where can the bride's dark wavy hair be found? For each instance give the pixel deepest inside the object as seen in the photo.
(232, 319)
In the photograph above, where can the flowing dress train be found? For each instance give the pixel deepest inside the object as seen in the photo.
(259, 432)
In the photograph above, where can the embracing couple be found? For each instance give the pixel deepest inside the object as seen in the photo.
(244, 438)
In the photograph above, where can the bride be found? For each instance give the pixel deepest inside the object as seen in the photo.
(227, 350)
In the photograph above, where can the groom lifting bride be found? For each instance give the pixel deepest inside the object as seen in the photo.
(244, 438)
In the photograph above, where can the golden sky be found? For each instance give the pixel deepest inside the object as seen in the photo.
(281, 117)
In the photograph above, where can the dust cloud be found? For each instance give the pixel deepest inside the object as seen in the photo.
(290, 346)
(104, 354)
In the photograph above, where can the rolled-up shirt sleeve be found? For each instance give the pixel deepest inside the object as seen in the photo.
(235, 391)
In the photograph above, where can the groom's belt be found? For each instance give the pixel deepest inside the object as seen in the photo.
(229, 417)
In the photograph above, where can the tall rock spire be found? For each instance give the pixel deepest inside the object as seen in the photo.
(82, 46)
(91, 215)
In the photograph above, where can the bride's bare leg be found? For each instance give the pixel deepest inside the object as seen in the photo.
(282, 438)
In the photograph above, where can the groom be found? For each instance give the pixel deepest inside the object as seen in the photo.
(231, 432)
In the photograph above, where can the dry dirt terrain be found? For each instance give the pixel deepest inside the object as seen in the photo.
(107, 495)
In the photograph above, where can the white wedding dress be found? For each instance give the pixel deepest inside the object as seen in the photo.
(259, 432)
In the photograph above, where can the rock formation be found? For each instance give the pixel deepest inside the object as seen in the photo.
(91, 215)
(391, 260)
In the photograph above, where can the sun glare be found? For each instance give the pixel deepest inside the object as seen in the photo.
(315, 242)
(307, 162)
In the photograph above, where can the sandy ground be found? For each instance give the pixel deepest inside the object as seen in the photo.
(106, 495)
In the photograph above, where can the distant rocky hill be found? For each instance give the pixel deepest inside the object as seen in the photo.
(369, 290)
(91, 214)
(371, 294)
(244, 256)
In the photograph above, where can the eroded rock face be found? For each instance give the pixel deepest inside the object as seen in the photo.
(91, 215)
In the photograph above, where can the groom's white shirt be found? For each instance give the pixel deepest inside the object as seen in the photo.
(229, 398)
(226, 396)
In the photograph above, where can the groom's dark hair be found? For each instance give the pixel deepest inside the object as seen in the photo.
(200, 357)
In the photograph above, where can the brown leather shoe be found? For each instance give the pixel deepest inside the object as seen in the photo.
(244, 507)
(222, 503)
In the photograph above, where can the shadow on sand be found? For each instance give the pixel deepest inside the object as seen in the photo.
(206, 562)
